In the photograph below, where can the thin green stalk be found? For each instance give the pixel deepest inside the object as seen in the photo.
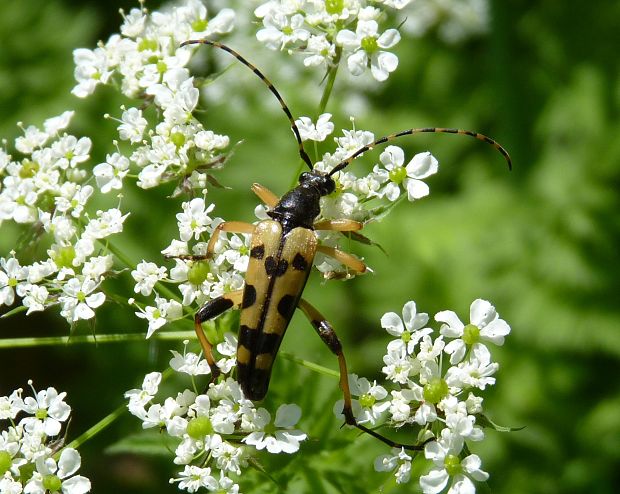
(310, 365)
(331, 78)
(98, 427)
(103, 338)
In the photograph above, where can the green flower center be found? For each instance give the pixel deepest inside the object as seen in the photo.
(5, 462)
(367, 400)
(28, 169)
(161, 66)
(198, 273)
(147, 44)
(452, 464)
(200, 25)
(334, 6)
(12, 282)
(471, 334)
(435, 390)
(178, 139)
(369, 44)
(41, 414)
(288, 30)
(64, 256)
(406, 336)
(199, 427)
(52, 483)
(398, 174)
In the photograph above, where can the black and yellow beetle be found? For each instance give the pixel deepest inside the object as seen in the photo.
(281, 256)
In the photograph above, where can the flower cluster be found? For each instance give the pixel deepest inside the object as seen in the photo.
(217, 432)
(48, 188)
(323, 32)
(197, 278)
(441, 402)
(147, 61)
(32, 459)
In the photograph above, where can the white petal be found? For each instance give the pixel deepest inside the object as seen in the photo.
(422, 165)
(95, 300)
(347, 38)
(434, 481)
(389, 38)
(76, 485)
(453, 327)
(392, 323)
(68, 463)
(357, 62)
(416, 189)
(462, 485)
(495, 331)
(382, 64)
(287, 415)
(481, 313)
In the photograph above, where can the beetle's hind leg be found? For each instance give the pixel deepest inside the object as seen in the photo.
(329, 337)
(208, 311)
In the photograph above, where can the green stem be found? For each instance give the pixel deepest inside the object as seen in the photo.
(310, 365)
(98, 427)
(329, 85)
(103, 338)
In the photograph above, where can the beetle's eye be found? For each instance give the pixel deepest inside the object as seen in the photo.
(303, 177)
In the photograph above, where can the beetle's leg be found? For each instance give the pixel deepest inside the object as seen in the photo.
(226, 226)
(265, 195)
(341, 225)
(329, 337)
(348, 260)
(208, 311)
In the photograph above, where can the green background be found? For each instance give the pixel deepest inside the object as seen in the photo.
(540, 242)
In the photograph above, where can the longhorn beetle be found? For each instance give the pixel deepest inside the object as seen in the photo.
(281, 255)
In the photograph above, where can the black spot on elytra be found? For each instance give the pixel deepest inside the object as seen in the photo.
(286, 306)
(249, 296)
(299, 262)
(247, 337)
(257, 252)
(273, 268)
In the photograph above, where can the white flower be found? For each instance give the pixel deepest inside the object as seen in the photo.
(110, 175)
(485, 325)
(367, 48)
(146, 275)
(368, 407)
(35, 298)
(422, 165)
(408, 333)
(79, 300)
(445, 455)
(193, 478)
(106, 223)
(281, 30)
(132, 125)
(70, 151)
(52, 477)
(400, 459)
(11, 276)
(164, 311)
(189, 363)
(50, 406)
(280, 441)
(195, 219)
(475, 372)
(91, 69)
(315, 132)
(54, 124)
(319, 51)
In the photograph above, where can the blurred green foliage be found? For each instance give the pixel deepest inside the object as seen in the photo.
(541, 242)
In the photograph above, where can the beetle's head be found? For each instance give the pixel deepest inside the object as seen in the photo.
(323, 183)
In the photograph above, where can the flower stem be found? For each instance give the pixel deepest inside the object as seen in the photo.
(103, 338)
(329, 85)
(310, 365)
(98, 427)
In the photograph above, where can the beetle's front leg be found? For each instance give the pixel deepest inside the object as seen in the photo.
(345, 258)
(208, 311)
(329, 337)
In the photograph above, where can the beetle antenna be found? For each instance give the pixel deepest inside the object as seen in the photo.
(437, 130)
(261, 76)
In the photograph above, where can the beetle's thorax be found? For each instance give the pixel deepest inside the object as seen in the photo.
(301, 206)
